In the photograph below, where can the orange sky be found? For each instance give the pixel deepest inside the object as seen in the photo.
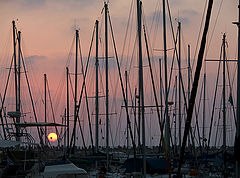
(48, 28)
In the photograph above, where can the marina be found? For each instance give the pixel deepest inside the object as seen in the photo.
(141, 101)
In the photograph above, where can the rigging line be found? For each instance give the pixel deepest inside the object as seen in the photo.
(219, 117)
(83, 85)
(85, 90)
(32, 71)
(196, 118)
(214, 100)
(156, 17)
(214, 27)
(51, 105)
(3, 100)
(180, 74)
(199, 33)
(134, 111)
(71, 86)
(70, 53)
(151, 51)
(230, 86)
(30, 93)
(195, 83)
(156, 102)
(122, 87)
(128, 23)
(132, 56)
(118, 126)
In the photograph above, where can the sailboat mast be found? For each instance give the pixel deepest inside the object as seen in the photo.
(204, 109)
(76, 78)
(16, 78)
(67, 107)
(224, 103)
(45, 105)
(19, 78)
(161, 89)
(238, 89)
(167, 127)
(141, 94)
(107, 92)
(96, 102)
(179, 81)
(126, 80)
(175, 117)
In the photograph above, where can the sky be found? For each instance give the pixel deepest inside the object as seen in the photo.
(48, 29)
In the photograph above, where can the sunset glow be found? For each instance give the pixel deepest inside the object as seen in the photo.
(52, 137)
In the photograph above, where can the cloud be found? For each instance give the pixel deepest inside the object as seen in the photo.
(34, 58)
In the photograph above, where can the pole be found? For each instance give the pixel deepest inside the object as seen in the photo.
(204, 110)
(126, 80)
(167, 127)
(224, 103)
(18, 87)
(96, 102)
(107, 92)
(45, 105)
(16, 78)
(238, 90)
(179, 82)
(67, 107)
(141, 94)
(76, 78)
(175, 118)
(161, 93)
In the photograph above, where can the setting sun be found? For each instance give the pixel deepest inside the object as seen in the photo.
(52, 137)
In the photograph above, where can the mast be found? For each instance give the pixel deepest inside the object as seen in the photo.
(204, 109)
(107, 92)
(161, 92)
(19, 78)
(224, 102)
(96, 102)
(238, 89)
(189, 92)
(126, 80)
(16, 78)
(179, 82)
(45, 105)
(175, 118)
(167, 127)
(76, 78)
(67, 69)
(141, 94)
(67, 107)
(189, 72)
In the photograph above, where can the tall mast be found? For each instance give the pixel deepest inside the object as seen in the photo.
(16, 78)
(19, 78)
(238, 89)
(67, 107)
(161, 87)
(204, 109)
(107, 92)
(126, 80)
(141, 94)
(179, 81)
(76, 78)
(175, 117)
(189, 92)
(224, 100)
(167, 127)
(45, 105)
(189, 72)
(96, 102)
